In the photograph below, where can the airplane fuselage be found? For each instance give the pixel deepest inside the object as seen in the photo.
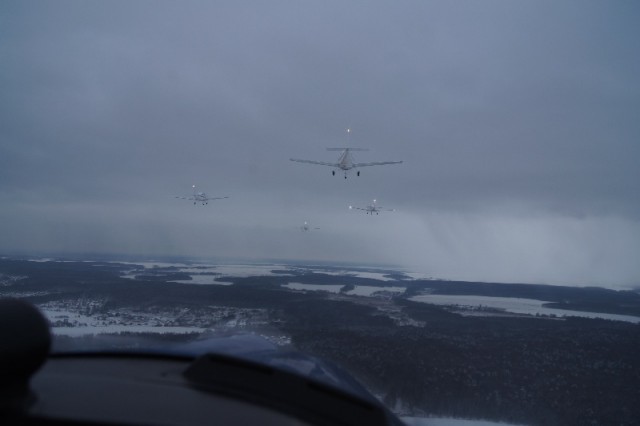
(371, 208)
(200, 197)
(345, 162)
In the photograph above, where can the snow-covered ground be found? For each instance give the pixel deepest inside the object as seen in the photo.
(77, 317)
(9, 280)
(514, 305)
(111, 329)
(23, 294)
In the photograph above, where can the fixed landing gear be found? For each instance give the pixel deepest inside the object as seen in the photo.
(358, 173)
(333, 172)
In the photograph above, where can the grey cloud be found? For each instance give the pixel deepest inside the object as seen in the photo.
(502, 111)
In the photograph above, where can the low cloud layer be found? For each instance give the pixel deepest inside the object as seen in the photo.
(517, 123)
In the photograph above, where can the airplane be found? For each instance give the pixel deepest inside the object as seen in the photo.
(372, 208)
(306, 227)
(346, 160)
(200, 197)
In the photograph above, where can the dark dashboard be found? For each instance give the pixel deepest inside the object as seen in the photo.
(237, 384)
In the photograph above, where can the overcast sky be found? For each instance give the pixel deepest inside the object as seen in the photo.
(518, 123)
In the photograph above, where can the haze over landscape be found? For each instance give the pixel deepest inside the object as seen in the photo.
(517, 123)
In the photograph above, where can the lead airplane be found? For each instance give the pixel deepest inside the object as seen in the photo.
(372, 208)
(346, 161)
(200, 197)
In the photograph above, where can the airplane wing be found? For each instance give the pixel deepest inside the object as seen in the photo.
(215, 198)
(322, 163)
(186, 198)
(377, 163)
(357, 208)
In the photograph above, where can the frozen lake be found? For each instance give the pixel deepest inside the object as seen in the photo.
(331, 288)
(380, 276)
(240, 270)
(202, 280)
(359, 290)
(514, 305)
(196, 271)
(368, 290)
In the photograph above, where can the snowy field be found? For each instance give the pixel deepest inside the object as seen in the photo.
(78, 317)
(9, 280)
(514, 305)
(111, 329)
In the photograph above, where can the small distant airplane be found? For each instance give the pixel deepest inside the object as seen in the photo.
(346, 160)
(372, 208)
(200, 197)
(306, 227)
